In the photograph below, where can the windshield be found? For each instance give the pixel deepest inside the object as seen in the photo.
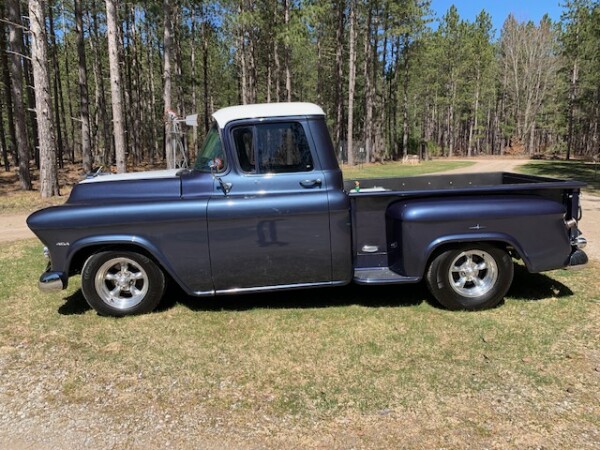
(211, 153)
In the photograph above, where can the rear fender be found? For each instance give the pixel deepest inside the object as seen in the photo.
(533, 226)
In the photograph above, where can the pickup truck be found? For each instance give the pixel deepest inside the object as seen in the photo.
(266, 208)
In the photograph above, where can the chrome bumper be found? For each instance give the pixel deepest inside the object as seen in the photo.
(51, 281)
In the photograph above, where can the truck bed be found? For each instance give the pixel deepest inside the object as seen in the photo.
(370, 203)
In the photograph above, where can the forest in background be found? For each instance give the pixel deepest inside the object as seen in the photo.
(88, 82)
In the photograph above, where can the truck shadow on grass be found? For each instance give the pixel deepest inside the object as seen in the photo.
(536, 286)
(525, 287)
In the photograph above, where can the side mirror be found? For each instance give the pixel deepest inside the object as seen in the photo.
(216, 165)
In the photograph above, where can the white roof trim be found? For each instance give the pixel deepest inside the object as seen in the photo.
(262, 110)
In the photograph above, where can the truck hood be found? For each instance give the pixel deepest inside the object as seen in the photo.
(136, 186)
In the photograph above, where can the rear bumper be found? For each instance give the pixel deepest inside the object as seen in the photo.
(52, 281)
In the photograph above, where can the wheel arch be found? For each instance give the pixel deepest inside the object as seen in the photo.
(505, 242)
(81, 250)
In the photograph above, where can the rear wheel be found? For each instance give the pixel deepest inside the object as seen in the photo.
(470, 277)
(122, 283)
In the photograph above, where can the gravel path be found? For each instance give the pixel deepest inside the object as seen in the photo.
(13, 227)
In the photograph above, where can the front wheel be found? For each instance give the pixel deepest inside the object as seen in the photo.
(470, 277)
(122, 283)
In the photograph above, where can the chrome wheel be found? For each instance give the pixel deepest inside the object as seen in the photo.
(470, 276)
(473, 273)
(121, 283)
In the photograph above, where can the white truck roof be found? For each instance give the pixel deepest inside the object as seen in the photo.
(263, 110)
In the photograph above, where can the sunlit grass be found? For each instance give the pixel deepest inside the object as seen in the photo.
(397, 169)
(325, 355)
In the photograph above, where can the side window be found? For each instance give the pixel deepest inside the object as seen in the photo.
(244, 147)
(280, 148)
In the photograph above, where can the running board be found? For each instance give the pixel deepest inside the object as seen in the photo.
(381, 275)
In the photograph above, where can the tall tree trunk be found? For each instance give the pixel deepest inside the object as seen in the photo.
(12, 150)
(351, 81)
(368, 93)
(133, 87)
(33, 126)
(15, 39)
(405, 83)
(474, 121)
(319, 44)
(100, 91)
(194, 20)
(39, 56)
(151, 101)
(205, 75)
(339, 73)
(193, 45)
(178, 66)
(84, 113)
(3, 144)
(288, 73)
(451, 139)
(67, 59)
(571, 106)
(59, 110)
(277, 72)
(250, 71)
(167, 71)
(115, 85)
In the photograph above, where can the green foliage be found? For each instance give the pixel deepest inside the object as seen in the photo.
(453, 78)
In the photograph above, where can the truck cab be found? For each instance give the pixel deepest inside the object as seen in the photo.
(278, 207)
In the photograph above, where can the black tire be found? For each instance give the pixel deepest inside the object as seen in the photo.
(122, 283)
(470, 277)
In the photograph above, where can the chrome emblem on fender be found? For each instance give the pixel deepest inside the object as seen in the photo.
(477, 227)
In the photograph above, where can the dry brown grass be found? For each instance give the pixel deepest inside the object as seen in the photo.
(14, 200)
(353, 367)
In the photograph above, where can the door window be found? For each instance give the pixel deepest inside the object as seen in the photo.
(273, 148)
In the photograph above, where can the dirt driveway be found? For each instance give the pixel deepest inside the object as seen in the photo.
(13, 227)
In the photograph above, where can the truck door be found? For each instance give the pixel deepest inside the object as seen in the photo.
(272, 228)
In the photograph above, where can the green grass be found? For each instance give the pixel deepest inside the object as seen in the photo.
(378, 364)
(572, 170)
(397, 169)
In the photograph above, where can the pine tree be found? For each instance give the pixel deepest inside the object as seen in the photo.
(39, 56)
(115, 84)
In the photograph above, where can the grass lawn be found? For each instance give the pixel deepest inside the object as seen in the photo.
(353, 367)
(397, 169)
(573, 170)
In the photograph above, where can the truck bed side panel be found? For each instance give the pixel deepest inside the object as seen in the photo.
(534, 226)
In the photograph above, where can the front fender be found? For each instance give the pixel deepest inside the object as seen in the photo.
(89, 245)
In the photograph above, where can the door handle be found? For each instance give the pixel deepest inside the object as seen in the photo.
(311, 183)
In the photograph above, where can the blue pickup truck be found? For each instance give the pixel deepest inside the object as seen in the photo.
(265, 208)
